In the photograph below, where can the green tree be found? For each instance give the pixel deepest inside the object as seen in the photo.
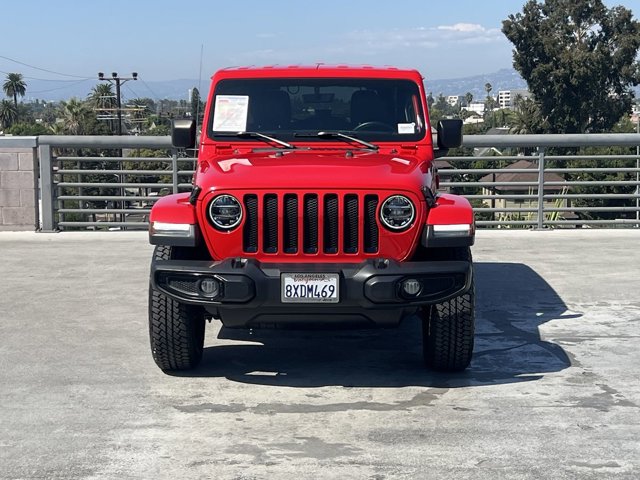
(430, 100)
(25, 113)
(489, 100)
(526, 117)
(468, 98)
(103, 101)
(49, 113)
(75, 116)
(8, 113)
(57, 128)
(579, 60)
(28, 129)
(196, 104)
(137, 114)
(13, 86)
(441, 103)
(102, 96)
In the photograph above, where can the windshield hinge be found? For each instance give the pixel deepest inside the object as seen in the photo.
(193, 198)
(429, 197)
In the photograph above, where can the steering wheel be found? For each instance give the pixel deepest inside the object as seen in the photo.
(368, 125)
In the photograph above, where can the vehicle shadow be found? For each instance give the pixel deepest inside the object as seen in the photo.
(512, 301)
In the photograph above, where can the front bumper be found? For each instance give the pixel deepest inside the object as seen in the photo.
(371, 291)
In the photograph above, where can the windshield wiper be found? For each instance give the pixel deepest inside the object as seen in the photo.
(342, 136)
(259, 135)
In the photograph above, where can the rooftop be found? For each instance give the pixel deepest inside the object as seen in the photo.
(553, 390)
(522, 177)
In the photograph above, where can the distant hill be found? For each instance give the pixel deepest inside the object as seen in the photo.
(505, 79)
(168, 89)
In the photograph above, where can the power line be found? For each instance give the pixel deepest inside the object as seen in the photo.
(44, 69)
(40, 79)
(78, 82)
(135, 95)
(152, 92)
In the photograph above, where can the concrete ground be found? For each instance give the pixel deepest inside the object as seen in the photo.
(553, 391)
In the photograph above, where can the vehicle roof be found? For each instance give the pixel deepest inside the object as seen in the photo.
(318, 70)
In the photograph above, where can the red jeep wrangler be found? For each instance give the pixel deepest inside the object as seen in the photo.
(314, 201)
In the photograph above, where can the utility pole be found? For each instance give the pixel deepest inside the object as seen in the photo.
(117, 81)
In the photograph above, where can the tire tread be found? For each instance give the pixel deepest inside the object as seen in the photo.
(448, 328)
(176, 330)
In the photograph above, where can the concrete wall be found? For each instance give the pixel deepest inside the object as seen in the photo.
(18, 184)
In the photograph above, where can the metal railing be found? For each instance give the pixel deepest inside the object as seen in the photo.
(547, 192)
(112, 182)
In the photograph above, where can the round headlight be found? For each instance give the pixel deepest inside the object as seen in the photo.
(225, 212)
(397, 212)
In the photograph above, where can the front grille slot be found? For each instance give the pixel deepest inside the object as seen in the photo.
(350, 232)
(290, 239)
(270, 223)
(310, 224)
(306, 224)
(250, 232)
(370, 224)
(331, 223)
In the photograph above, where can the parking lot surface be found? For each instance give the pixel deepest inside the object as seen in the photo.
(553, 391)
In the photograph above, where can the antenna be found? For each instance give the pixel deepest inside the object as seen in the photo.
(199, 87)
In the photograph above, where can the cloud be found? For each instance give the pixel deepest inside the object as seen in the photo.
(377, 41)
(447, 46)
(463, 27)
(469, 33)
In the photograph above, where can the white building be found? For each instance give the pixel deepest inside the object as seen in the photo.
(473, 120)
(453, 100)
(506, 98)
(475, 107)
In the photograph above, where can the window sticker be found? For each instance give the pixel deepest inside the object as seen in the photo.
(230, 113)
(406, 128)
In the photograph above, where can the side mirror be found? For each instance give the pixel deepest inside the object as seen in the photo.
(449, 133)
(183, 133)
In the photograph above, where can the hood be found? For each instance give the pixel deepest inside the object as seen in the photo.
(313, 169)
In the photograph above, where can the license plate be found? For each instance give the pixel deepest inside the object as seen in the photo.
(310, 288)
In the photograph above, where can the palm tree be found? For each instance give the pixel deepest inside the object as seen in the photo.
(468, 97)
(8, 113)
(57, 128)
(527, 117)
(104, 102)
(74, 114)
(102, 96)
(13, 86)
(489, 100)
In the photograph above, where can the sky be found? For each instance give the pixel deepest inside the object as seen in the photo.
(163, 40)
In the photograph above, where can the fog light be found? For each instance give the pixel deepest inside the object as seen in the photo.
(210, 287)
(412, 287)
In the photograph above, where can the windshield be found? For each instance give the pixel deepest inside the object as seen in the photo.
(290, 108)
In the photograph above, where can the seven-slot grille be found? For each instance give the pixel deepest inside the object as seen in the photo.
(310, 223)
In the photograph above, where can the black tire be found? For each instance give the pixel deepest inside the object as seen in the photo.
(176, 330)
(448, 329)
